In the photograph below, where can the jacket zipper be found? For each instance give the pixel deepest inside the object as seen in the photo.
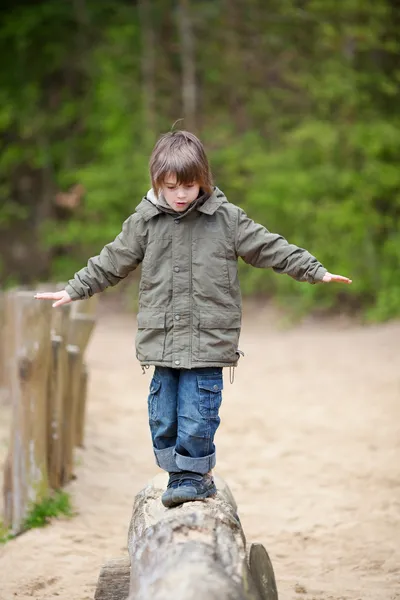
(190, 298)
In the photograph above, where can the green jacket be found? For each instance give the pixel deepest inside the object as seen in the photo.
(189, 297)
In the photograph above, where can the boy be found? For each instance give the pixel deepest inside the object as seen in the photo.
(188, 238)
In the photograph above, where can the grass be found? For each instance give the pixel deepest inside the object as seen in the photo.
(41, 513)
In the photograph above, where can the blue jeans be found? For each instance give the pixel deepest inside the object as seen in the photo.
(183, 414)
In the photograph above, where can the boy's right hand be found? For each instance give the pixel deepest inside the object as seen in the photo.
(61, 297)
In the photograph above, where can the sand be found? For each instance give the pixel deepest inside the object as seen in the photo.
(309, 443)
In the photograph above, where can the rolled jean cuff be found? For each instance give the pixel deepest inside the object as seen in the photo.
(196, 465)
(165, 459)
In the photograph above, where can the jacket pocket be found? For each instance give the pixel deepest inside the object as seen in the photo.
(150, 337)
(210, 395)
(219, 336)
(152, 401)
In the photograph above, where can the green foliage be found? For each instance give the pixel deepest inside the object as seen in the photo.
(41, 513)
(299, 113)
(5, 534)
(52, 506)
(345, 212)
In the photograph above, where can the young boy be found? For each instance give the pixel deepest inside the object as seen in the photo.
(188, 238)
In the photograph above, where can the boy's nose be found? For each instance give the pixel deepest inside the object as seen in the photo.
(181, 194)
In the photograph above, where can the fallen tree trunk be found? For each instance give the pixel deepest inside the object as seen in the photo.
(194, 551)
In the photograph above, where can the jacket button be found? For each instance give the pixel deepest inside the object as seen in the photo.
(177, 221)
(177, 317)
(176, 269)
(177, 362)
(215, 388)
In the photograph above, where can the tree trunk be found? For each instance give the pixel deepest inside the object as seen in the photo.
(189, 91)
(148, 63)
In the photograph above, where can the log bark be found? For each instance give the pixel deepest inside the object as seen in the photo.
(28, 340)
(191, 552)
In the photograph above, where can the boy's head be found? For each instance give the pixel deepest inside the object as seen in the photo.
(179, 168)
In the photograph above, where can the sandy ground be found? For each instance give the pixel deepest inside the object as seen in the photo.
(309, 443)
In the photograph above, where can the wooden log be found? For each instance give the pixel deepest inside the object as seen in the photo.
(262, 572)
(113, 583)
(191, 552)
(28, 346)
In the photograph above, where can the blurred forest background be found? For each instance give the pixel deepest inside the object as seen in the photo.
(297, 102)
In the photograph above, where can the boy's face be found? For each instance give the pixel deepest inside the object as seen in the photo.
(179, 196)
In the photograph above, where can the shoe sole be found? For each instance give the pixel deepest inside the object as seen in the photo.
(167, 501)
(181, 499)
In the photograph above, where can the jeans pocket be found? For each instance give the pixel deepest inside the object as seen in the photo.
(152, 401)
(210, 395)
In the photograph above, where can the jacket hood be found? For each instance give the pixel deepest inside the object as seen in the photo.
(161, 203)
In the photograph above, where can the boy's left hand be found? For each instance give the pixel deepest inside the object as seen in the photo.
(330, 277)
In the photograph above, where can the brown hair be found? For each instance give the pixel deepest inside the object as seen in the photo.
(182, 154)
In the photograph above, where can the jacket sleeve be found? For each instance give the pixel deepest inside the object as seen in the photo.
(260, 248)
(112, 265)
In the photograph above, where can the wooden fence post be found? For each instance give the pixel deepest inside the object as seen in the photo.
(82, 321)
(2, 347)
(71, 399)
(28, 353)
(81, 411)
(80, 327)
(56, 395)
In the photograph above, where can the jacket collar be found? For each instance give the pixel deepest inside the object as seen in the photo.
(213, 203)
(148, 210)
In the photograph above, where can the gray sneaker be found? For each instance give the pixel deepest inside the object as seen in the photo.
(173, 482)
(193, 486)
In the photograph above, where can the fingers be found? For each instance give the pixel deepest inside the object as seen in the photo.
(59, 297)
(60, 302)
(47, 296)
(328, 277)
(341, 279)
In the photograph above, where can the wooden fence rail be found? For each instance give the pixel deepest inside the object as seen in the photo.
(44, 376)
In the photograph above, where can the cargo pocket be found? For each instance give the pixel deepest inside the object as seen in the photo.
(219, 336)
(152, 401)
(210, 396)
(150, 337)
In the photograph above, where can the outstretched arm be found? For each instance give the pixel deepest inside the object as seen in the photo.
(260, 248)
(112, 265)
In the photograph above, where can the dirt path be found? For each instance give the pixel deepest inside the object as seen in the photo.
(309, 443)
